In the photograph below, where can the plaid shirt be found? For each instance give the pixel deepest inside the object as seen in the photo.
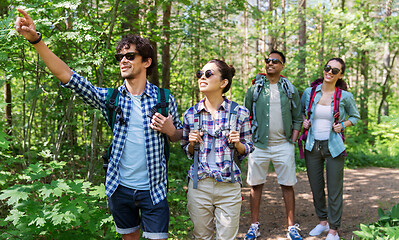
(221, 145)
(156, 162)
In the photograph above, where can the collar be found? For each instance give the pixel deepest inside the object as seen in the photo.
(149, 90)
(223, 106)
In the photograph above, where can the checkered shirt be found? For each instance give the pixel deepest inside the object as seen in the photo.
(221, 145)
(156, 162)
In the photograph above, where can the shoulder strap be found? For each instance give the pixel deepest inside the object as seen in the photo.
(259, 82)
(337, 98)
(111, 105)
(232, 118)
(197, 118)
(288, 89)
(312, 96)
(163, 101)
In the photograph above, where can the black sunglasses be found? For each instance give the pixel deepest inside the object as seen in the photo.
(273, 60)
(129, 56)
(334, 71)
(208, 73)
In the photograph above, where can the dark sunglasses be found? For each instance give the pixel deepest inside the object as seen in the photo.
(129, 56)
(273, 60)
(208, 74)
(334, 71)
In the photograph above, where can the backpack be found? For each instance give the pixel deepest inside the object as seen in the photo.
(232, 118)
(337, 118)
(288, 89)
(114, 113)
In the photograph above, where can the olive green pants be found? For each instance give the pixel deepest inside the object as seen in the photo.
(315, 161)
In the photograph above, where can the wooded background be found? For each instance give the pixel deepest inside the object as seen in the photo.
(49, 132)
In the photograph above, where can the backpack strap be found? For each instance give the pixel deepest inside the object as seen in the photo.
(232, 118)
(112, 108)
(163, 101)
(337, 98)
(259, 82)
(111, 105)
(288, 89)
(304, 135)
(197, 126)
(337, 117)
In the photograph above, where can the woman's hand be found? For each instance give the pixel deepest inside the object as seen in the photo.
(195, 136)
(306, 123)
(337, 127)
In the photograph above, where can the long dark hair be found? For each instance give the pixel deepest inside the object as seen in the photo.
(227, 72)
(340, 83)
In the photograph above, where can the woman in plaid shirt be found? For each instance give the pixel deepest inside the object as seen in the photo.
(218, 194)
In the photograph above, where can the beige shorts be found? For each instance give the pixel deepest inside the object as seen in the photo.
(283, 159)
(214, 206)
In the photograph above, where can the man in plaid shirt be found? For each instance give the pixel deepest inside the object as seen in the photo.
(136, 178)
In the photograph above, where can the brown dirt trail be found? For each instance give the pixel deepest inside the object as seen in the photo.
(365, 190)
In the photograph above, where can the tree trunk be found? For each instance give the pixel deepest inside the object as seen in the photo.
(388, 68)
(364, 96)
(131, 10)
(7, 86)
(272, 39)
(302, 40)
(63, 127)
(154, 77)
(321, 51)
(166, 47)
(284, 29)
(94, 155)
(8, 107)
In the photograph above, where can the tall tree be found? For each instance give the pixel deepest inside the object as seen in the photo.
(302, 40)
(167, 8)
(388, 65)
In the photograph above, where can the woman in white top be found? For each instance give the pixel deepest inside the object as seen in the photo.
(332, 109)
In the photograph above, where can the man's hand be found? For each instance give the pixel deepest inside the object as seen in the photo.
(162, 124)
(25, 26)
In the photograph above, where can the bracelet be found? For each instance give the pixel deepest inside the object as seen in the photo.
(38, 40)
(343, 126)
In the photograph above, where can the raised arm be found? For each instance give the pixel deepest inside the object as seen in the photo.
(25, 26)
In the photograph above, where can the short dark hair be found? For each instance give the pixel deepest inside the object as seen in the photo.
(143, 47)
(227, 72)
(279, 53)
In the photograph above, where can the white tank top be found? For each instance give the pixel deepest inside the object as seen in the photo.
(322, 122)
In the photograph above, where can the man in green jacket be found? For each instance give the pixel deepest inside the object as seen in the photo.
(276, 123)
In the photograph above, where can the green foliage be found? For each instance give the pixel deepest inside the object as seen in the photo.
(379, 148)
(60, 209)
(180, 223)
(387, 227)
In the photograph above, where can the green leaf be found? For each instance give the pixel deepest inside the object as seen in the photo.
(40, 222)
(98, 191)
(14, 195)
(14, 216)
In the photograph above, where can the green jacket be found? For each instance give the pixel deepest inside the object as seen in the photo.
(292, 118)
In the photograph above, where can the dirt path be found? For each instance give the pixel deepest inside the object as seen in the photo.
(365, 190)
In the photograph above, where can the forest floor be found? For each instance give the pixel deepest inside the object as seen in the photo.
(365, 190)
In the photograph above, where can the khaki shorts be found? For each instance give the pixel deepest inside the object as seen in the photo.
(283, 159)
(214, 205)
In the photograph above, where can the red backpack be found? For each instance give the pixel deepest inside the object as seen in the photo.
(337, 118)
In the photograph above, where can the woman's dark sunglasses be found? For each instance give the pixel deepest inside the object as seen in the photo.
(273, 60)
(129, 56)
(208, 74)
(334, 71)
